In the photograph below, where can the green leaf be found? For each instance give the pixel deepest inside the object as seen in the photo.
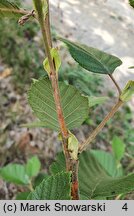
(34, 124)
(39, 178)
(75, 106)
(108, 162)
(128, 91)
(91, 58)
(15, 173)
(96, 100)
(33, 166)
(93, 179)
(59, 164)
(131, 2)
(56, 187)
(22, 196)
(118, 148)
(10, 9)
(56, 59)
(73, 146)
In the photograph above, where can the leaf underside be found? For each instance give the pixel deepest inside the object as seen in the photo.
(108, 162)
(93, 179)
(91, 58)
(56, 187)
(74, 105)
(9, 9)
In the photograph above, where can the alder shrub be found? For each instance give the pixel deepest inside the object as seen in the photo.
(77, 173)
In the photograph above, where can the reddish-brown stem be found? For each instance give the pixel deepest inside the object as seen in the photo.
(54, 83)
(70, 164)
(75, 183)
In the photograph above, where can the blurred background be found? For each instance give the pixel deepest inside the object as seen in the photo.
(105, 24)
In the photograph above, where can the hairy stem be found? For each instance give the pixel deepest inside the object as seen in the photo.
(115, 83)
(93, 135)
(70, 164)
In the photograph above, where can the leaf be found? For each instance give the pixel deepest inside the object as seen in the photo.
(56, 59)
(96, 100)
(93, 179)
(73, 146)
(22, 196)
(39, 178)
(108, 162)
(131, 2)
(91, 58)
(34, 124)
(33, 166)
(59, 164)
(75, 106)
(15, 173)
(118, 147)
(128, 91)
(10, 9)
(56, 187)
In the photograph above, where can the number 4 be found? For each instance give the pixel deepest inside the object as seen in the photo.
(125, 207)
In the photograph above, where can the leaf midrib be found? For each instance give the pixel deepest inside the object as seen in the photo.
(103, 66)
(86, 52)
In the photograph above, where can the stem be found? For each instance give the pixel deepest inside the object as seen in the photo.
(75, 184)
(101, 125)
(47, 27)
(55, 86)
(116, 84)
(17, 11)
(70, 164)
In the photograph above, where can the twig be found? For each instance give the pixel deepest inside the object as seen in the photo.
(17, 11)
(54, 82)
(70, 164)
(93, 135)
(75, 184)
(115, 83)
(48, 28)
(26, 17)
